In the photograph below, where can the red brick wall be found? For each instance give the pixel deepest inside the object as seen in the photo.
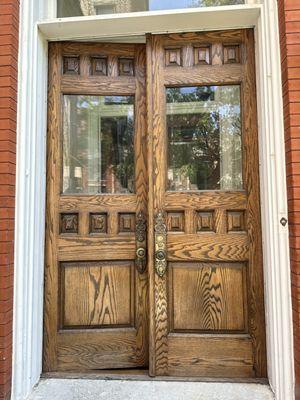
(9, 21)
(289, 21)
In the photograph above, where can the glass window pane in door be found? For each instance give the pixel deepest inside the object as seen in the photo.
(204, 138)
(98, 144)
(71, 8)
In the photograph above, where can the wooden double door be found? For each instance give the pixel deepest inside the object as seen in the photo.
(153, 236)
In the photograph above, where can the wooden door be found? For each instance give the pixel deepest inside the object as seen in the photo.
(206, 281)
(96, 291)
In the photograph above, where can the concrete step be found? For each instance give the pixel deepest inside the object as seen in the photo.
(84, 389)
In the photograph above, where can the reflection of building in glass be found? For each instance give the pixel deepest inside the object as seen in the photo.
(99, 7)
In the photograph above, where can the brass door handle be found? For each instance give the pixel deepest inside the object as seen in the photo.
(141, 242)
(160, 229)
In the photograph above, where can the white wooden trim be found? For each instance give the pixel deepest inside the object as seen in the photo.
(31, 161)
(140, 23)
(274, 205)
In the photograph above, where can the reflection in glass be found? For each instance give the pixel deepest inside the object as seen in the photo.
(71, 8)
(98, 150)
(204, 136)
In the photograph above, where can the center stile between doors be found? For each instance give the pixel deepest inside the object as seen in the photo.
(153, 228)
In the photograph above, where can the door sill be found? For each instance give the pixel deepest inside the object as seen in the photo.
(143, 375)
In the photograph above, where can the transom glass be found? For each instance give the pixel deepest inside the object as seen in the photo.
(71, 8)
(204, 138)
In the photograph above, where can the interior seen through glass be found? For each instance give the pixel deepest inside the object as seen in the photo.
(204, 138)
(70, 8)
(98, 144)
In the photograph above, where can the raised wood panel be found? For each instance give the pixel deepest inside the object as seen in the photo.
(205, 221)
(173, 57)
(202, 55)
(71, 65)
(231, 54)
(205, 200)
(105, 291)
(101, 203)
(126, 66)
(98, 223)
(99, 66)
(236, 221)
(203, 299)
(210, 355)
(68, 223)
(126, 223)
(109, 247)
(175, 222)
(208, 247)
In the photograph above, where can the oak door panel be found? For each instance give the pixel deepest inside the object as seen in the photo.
(96, 299)
(203, 299)
(105, 291)
(207, 275)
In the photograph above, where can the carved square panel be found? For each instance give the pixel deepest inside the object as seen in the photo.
(126, 223)
(173, 57)
(205, 221)
(202, 55)
(126, 66)
(232, 54)
(71, 65)
(69, 223)
(236, 221)
(99, 66)
(175, 221)
(98, 223)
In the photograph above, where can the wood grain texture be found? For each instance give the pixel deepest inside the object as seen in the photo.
(98, 203)
(52, 220)
(205, 200)
(206, 75)
(215, 241)
(210, 355)
(104, 290)
(98, 85)
(208, 247)
(253, 218)
(90, 272)
(203, 299)
(159, 155)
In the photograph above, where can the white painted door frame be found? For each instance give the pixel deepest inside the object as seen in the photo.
(31, 173)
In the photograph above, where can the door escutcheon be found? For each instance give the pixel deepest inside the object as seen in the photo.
(160, 229)
(141, 238)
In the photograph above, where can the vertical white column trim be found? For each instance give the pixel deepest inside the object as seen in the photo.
(279, 324)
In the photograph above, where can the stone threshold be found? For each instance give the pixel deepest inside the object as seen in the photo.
(119, 389)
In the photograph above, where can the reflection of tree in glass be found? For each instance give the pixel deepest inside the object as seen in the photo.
(195, 148)
(204, 138)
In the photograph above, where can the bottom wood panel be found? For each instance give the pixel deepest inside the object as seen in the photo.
(91, 350)
(221, 356)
